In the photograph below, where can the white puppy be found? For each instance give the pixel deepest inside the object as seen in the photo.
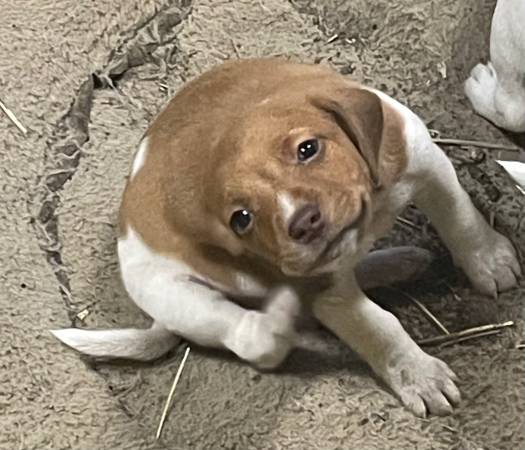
(497, 89)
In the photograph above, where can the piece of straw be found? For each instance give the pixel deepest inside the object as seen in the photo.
(11, 116)
(172, 392)
(408, 223)
(433, 319)
(453, 337)
(456, 296)
(483, 144)
(472, 336)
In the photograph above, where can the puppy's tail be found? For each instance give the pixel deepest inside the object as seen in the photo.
(129, 343)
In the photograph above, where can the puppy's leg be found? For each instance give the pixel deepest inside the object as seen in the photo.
(392, 265)
(424, 383)
(497, 90)
(204, 316)
(266, 338)
(201, 315)
(487, 257)
(498, 97)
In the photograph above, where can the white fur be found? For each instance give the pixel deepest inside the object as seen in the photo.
(130, 343)
(516, 169)
(497, 89)
(164, 288)
(140, 157)
(287, 205)
(248, 285)
(431, 182)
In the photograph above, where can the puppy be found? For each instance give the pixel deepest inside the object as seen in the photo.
(271, 180)
(497, 89)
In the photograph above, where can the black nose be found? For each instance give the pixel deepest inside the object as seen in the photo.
(306, 224)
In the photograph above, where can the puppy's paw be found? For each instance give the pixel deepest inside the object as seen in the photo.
(480, 88)
(283, 305)
(425, 385)
(265, 338)
(263, 341)
(493, 266)
(484, 73)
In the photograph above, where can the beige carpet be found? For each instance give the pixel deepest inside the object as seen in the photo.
(60, 187)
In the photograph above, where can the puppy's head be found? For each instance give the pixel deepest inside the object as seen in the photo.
(296, 176)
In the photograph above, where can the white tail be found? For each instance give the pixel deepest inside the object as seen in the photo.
(129, 343)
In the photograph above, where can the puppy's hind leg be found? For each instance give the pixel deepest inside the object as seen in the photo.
(392, 265)
(497, 90)
(201, 315)
(205, 316)
(266, 337)
(510, 104)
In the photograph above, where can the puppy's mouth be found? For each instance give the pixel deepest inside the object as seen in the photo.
(332, 249)
(339, 245)
(324, 255)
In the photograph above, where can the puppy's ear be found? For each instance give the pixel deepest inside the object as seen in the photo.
(360, 114)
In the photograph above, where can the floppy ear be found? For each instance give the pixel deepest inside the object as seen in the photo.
(360, 114)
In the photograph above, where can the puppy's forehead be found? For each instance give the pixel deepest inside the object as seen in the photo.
(268, 128)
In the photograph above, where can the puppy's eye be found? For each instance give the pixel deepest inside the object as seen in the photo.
(241, 220)
(307, 150)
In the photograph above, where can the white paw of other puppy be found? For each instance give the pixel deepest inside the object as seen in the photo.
(480, 89)
(265, 338)
(491, 267)
(425, 385)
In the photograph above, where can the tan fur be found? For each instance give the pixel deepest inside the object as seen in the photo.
(232, 134)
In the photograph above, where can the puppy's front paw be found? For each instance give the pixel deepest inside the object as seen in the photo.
(493, 266)
(424, 384)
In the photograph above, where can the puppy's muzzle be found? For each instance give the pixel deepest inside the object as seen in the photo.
(307, 224)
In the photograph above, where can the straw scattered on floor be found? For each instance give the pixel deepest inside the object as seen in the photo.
(473, 143)
(463, 335)
(448, 338)
(170, 395)
(11, 116)
(431, 317)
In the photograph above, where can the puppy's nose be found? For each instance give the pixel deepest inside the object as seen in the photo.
(306, 224)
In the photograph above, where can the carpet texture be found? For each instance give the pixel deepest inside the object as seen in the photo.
(86, 78)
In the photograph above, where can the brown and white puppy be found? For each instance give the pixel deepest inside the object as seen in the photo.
(271, 180)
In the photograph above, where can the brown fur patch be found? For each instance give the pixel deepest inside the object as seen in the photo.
(228, 139)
